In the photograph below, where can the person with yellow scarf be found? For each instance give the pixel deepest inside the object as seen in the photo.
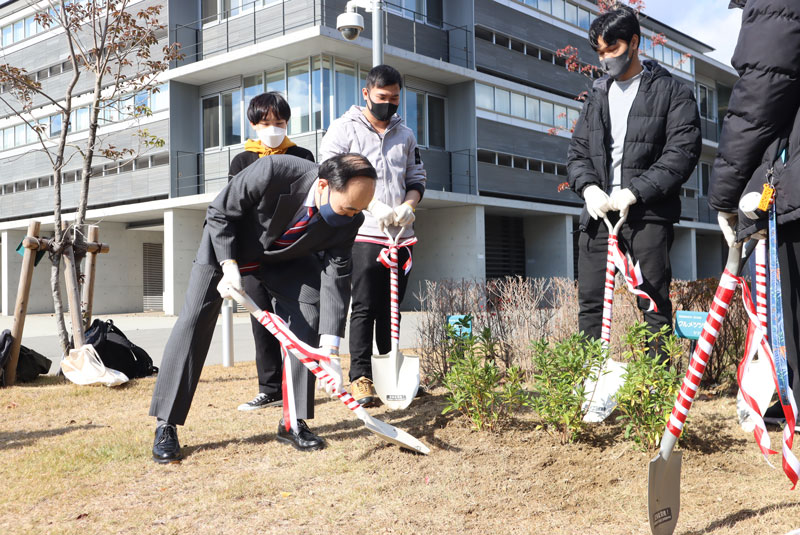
(269, 115)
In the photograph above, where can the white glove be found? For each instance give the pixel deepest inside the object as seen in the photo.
(597, 201)
(231, 279)
(404, 215)
(621, 200)
(334, 370)
(727, 223)
(382, 212)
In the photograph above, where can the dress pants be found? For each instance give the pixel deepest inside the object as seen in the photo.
(649, 245)
(371, 308)
(188, 343)
(269, 362)
(789, 261)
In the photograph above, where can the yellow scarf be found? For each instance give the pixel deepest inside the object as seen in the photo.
(255, 145)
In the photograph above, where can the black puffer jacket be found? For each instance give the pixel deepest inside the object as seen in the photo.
(662, 145)
(762, 112)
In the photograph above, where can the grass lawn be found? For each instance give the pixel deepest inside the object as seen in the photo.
(77, 460)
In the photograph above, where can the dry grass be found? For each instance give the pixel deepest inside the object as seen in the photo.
(77, 460)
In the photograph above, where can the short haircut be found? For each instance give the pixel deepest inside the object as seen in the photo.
(264, 104)
(384, 76)
(618, 24)
(340, 169)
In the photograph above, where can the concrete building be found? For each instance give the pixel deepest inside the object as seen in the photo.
(489, 97)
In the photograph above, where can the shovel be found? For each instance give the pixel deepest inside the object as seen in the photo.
(664, 479)
(394, 375)
(306, 355)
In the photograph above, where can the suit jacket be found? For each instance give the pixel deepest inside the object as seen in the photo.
(255, 209)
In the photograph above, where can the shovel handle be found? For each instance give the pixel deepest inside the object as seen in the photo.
(394, 288)
(608, 299)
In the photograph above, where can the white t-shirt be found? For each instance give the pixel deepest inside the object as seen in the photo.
(620, 100)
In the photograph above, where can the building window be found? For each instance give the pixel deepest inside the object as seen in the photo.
(416, 115)
(706, 102)
(322, 90)
(211, 122)
(524, 107)
(159, 99)
(299, 82)
(253, 86)
(232, 118)
(425, 114)
(346, 89)
(704, 178)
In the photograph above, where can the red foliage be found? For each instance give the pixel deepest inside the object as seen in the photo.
(563, 186)
(659, 39)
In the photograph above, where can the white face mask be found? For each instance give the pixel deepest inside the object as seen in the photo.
(271, 136)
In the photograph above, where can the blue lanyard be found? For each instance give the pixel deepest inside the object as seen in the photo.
(777, 336)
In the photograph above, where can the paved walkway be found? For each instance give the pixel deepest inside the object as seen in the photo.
(151, 330)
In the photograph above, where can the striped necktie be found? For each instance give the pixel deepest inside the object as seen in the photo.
(294, 232)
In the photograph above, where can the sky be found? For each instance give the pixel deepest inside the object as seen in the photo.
(709, 21)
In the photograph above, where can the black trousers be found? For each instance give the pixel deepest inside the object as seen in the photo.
(649, 244)
(371, 308)
(789, 261)
(269, 362)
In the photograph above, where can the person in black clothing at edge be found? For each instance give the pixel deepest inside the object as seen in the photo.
(269, 115)
(762, 128)
(637, 140)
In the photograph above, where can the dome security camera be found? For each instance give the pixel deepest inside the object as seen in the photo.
(350, 24)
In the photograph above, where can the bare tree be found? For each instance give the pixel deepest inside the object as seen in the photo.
(116, 44)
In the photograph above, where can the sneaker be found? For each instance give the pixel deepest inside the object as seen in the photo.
(262, 401)
(362, 390)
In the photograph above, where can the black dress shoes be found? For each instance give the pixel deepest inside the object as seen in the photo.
(166, 448)
(303, 439)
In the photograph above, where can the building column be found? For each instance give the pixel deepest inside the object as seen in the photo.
(182, 232)
(711, 254)
(9, 272)
(682, 256)
(548, 246)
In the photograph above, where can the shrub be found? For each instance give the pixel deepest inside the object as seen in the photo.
(562, 368)
(646, 398)
(478, 388)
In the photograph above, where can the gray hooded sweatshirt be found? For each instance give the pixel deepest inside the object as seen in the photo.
(394, 154)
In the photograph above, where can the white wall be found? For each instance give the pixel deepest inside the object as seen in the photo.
(548, 246)
(182, 232)
(451, 246)
(682, 256)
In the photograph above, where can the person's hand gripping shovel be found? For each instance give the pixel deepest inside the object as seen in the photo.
(664, 479)
(310, 357)
(395, 375)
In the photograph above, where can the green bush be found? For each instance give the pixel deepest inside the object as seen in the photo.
(479, 388)
(558, 382)
(648, 394)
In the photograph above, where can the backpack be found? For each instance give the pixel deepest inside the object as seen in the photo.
(30, 364)
(117, 352)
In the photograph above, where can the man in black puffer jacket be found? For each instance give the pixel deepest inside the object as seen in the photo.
(637, 140)
(763, 122)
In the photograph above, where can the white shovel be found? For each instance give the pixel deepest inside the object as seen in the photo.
(394, 375)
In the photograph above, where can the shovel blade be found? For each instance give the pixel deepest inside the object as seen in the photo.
(396, 378)
(390, 433)
(664, 493)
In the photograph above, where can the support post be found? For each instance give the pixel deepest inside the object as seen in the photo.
(21, 307)
(73, 296)
(88, 283)
(227, 333)
(377, 33)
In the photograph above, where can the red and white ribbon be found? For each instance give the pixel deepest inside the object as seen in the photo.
(608, 296)
(632, 273)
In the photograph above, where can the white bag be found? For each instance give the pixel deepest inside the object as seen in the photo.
(600, 395)
(83, 367)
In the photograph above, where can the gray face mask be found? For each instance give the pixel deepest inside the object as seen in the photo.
(616, 67)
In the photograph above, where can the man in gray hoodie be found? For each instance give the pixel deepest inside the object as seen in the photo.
(377, 132)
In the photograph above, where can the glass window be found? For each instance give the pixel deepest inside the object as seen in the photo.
(571, 13)
(321, 92)
(501, 40)
(484, 34)
(705, 177)
(676, 58)
(572, 117)
(31, 135)
(346, 87)
(142, 101)
(544, 55)
(702, 100)
(549, 167)
(547, 113)
(415, 115)
(44, 127)
(125, 106)
(209, 8)
(253, 86)
(583, 19)
(160, 159)
(686, 66)
(31, 28)
(276, 81)
(126, 167)
(517, 105)
(517, 46)
(532, 3)
(520, 163)
(532, 109)
(505, 159)
(231, 7)
(561, 170)
(299, 91)
(545, 5)
(211, 122)
(647, 43)
(558, 9)
(142, 162)
(160, 97)
(8, 35)
(485, 96)
(44, 74)
(658, 53)
(502, 100)
(232, 118)
(560, 113)
(535, 165)
(44, 181)
(19, 31)
(19, 134)
(55, 125)
(436, 122)
(486, 156)
(55, 69)
(110, 169)
(82, 119)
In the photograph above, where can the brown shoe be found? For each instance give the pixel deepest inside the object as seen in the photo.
(362, 390)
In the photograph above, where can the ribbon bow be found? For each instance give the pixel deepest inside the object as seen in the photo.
(388, 255)
(631, 272)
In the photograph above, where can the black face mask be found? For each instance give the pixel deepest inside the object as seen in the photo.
(382, 111)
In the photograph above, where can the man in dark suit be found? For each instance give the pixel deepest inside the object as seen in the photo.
(296, 221)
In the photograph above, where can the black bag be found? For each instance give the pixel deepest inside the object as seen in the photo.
(117, 352)
(30, 364)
